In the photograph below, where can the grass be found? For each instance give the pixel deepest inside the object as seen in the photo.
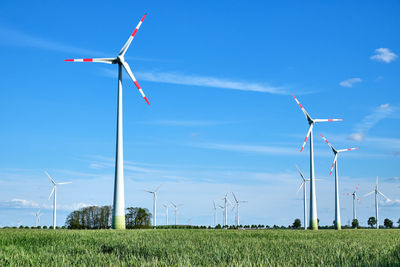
(199, 247)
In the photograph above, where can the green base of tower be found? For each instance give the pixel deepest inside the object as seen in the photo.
(118, 222)
(338, 226)
(313, 225)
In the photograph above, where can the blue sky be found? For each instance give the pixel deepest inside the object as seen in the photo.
(219, 78)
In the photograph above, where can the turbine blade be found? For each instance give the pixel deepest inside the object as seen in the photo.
(158, 188)
(52, 191)
(325, 120)
(326, 140)
(348, 149)
(128, 70)
(128, 43)
(302, 183)
(65, 183)
(333, 164)
(100, 60)
(388, 199)
(303, 109)
(234, 197)
(301, 174)
(48, 175)
(368, 194)
(308, 134)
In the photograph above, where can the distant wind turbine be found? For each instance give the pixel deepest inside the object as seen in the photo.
(55, 198)
(227, 202)
(37, 215)
(118, 216)
(154, 204)
(215, 213)
(166, 214)
(313, 199)
(303, 184)
(376, 191)
(355, 196)
(237, 208)
(176, 210)
(338, 225)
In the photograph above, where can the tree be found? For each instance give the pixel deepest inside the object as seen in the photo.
(398, 222)
(388, 223)
(354, 223)
(296, 223)
(371, 221)
(137, 218)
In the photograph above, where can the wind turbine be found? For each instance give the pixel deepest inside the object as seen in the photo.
(237, 208)
(118, 217)
(313, 200)
(376, 191)
(55, 197)
(154, 204)
(176, 210)
(37, 215)
(226, 202)
(166, 213)
(215, 213)
(303, 184)
(338, 225)
(355, 196)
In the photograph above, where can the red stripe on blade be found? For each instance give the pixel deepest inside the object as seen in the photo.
(134, 32)
(88, 60)
(143, 17)
(145, 98)
(137, 85)
(68, 60)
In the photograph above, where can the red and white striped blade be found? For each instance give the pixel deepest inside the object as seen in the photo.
(326, 140)
(333, 164)
(308, 134)
(128, 43)
(128, 70)
(348, 149)
(325, 120)
(303, 109)
(357, 187)
(101, 60)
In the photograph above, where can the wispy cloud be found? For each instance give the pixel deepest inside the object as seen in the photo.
(18, 203)
(384, 55)
(362, 128)
(350, 82)
(191, 123)
(203, 81)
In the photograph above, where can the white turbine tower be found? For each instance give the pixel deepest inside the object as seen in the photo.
(154, 204)
(355, 196)
(118, 217)
(237, 208)
(376, 191)
(303, 184)
(226, 202)
(176, 210)
(37, 215)
(313, 200)
(54, 191)
(338, 225)
(166, 214)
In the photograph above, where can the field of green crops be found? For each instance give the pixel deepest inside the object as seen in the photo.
(199, 247)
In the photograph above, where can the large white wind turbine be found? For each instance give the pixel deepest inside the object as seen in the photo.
(154, 205)
(54, 191)
(166, 214)
(313, 200)
(303, 184)
(118, 217)
(338, 225)
(376, 191)
(176, 210)
(355, 196)
(237, 208)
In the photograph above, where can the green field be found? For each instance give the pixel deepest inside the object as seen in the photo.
(199, 247)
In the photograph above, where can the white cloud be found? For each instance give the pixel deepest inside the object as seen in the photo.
(203, 81)
(384, 55)
(350, 82)
(369, 121)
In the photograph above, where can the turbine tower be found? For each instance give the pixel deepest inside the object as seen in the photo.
(303, 184)
(376, 191)
(313, 200)
(118, 217)
(338, 225)
(166, 214)
(176, 210)
(154, 204)
(355, 196)
(215, 214)
(55, 198)
(226, 202)
(237, 208)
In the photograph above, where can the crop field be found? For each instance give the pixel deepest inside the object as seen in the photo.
(199, 247)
